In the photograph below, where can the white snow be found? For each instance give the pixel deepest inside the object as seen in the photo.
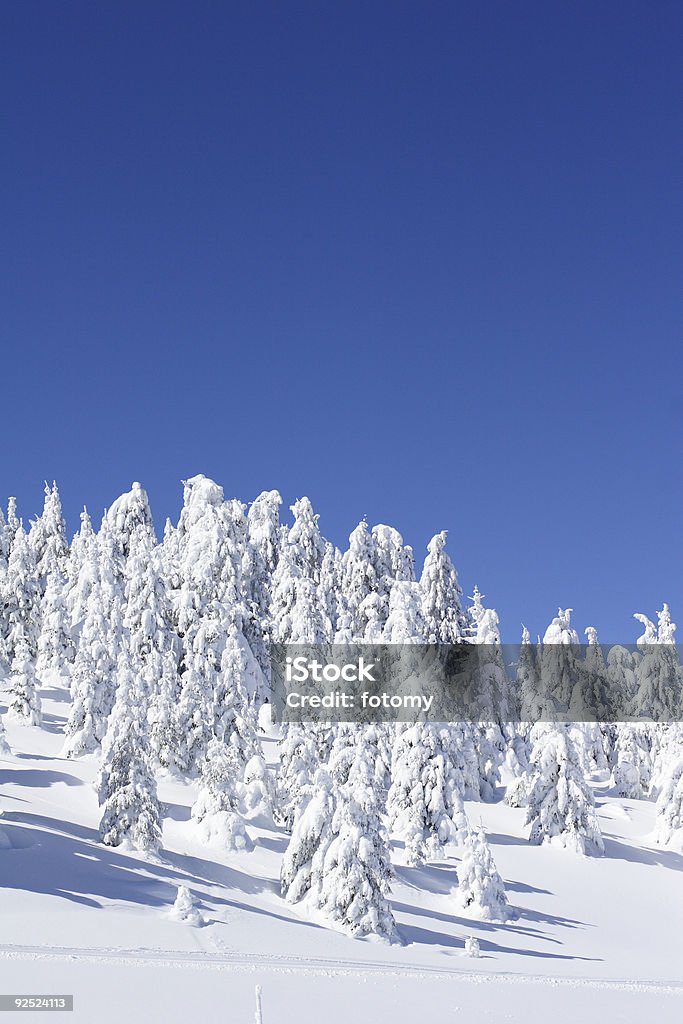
(594, 937)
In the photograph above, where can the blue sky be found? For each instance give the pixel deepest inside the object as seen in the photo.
(419, 261)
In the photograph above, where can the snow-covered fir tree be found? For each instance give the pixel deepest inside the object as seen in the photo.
(127, 789)
(668, 829)
(424, 803)
(481, 891)
(55, 646)
(215, 812)
(47, 536)
(559, 802)
(24, 701)
(445, 621)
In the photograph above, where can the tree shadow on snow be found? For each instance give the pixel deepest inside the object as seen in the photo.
(642, 855)
(36, 778)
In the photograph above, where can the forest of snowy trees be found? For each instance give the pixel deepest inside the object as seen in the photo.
(164, 646)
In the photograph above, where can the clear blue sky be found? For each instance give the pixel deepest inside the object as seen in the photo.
(419, 261)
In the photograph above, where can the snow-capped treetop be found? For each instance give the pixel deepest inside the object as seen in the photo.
(393, 559)
(199, 490)
(650, 634)
(47, 535)
(560, 630)
(667, 628)
(263, 523)
(130, 512)
(304, 540)
(485, 620)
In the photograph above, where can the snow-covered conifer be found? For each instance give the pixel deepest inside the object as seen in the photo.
(55, 646)
(24, 702)
(424, 804)
(356, 871)
(481, 891)
(299, 762)
(126, 787)
(47, 535)
(21, 598)
(184, 908)
(632, 768)
(405, 622)
(560, 804)
(215, 811)
(445, 621)
(668, 829)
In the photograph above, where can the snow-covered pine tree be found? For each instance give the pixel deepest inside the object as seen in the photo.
(528, 681)
(356, 869)
(24, 702)
(445, 620)
(358, 580)
(259, 562)
(668, 829)
(424, 805)
(559, 662)
(559, 801)
(632, 767)
(163, 720)
(299, 762)
(405, 622)
(47, 536)
(215, 811)
(55, 646)
(329, 590)
(21, 598)
(127, 517)
(126, 786)
(658, 673)
(98, 602)
(338, 859)
(481, 891)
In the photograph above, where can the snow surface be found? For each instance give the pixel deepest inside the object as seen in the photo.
(596, 938)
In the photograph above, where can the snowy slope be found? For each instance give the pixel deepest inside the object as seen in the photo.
(76, 916)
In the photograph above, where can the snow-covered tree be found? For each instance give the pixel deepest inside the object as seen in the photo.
(55, 646)
(559, 802)
(4, 745)
(99, 604)
(356, 870)
(337, 859)
(632, 768)
(299, 763)
(126, 786)
(215, 812)
(184, 908)
(658, 678)
(24, 702)
(130, 516)
(445, 620)
(162, 718)
(481, 891)
(424, 803)
(668, 829)
(358, 578)
(21, 598)
(405, 622)
(47, 536)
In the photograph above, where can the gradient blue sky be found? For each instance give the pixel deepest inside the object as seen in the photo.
(420, 261)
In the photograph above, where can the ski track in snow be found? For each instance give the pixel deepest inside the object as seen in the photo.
(288, 963)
